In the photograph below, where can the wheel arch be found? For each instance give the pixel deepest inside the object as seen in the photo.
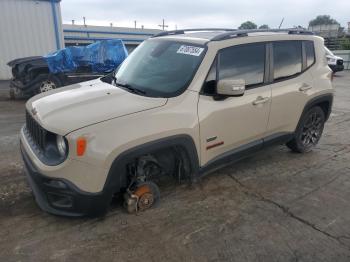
(117, 177)
(324, 101)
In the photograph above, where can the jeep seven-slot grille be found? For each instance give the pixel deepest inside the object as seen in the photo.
(36, 132)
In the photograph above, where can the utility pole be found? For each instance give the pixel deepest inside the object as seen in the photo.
(73, 22)
(163, 25)
(135, 23)
(84, 18)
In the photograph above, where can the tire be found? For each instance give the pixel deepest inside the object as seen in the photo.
(12, 94)
(48, 84)
(16, 93)
(309, 131)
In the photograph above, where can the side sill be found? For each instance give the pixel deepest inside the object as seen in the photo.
(244, 151)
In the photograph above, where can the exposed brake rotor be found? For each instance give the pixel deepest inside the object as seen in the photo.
(144, 196)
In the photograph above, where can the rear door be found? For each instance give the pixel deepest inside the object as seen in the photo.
(291, 83)
(227, 123)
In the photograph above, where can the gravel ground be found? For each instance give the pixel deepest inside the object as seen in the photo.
(273, 206)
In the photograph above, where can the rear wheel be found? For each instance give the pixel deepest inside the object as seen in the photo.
(309, 131)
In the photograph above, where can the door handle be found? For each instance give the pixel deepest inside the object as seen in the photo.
(304, 87)
(260, 100)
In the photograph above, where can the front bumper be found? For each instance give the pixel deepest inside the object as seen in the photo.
(337, 68)
(59, 196)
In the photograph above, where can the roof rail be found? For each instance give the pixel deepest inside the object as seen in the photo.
(241, 33)
(183, 31)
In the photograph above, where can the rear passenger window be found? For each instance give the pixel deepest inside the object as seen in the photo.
(243, 62)
(287, 59)
(310, 53)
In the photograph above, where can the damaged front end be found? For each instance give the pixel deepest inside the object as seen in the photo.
(27, 74)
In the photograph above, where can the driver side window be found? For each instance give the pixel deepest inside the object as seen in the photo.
(245, 62)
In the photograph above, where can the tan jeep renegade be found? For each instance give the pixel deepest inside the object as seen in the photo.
(182, 104)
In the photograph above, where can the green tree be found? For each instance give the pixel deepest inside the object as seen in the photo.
(345, 43)
(248, 25)
(323, 20)
(264, 26)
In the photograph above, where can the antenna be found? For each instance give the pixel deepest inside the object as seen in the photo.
(281, 23)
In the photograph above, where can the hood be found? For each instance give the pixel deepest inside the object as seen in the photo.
(73, 107)
(338, 57)
(332, 56)
(35, 60)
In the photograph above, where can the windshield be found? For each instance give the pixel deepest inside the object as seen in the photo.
(160, 67)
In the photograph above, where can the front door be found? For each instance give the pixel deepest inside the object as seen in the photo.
(230, 122)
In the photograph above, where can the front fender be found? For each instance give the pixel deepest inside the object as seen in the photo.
(117, 177)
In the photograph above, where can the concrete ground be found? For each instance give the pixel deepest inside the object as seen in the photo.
(273, 206)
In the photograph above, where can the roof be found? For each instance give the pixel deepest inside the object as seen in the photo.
(218, 34)
(57, 1)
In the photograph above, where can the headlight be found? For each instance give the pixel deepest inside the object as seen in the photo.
(61, 145)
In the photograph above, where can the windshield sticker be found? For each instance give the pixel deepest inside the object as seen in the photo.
(190, 50)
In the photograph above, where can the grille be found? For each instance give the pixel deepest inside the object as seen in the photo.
(36, 132)
(339, 62)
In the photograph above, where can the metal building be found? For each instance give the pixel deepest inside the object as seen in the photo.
(28, 28)
(86, 34)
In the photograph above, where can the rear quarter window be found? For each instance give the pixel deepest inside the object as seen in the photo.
(310, 53)
(287, 59)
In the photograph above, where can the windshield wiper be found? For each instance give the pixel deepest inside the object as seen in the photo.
(130, 88)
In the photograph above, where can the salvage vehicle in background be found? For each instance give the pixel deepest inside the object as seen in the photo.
(336, 63)
(183, 104)
(38, 74)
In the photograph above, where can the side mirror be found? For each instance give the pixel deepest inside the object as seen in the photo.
(231, 87)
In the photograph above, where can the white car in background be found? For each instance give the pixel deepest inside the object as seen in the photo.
(336, 63)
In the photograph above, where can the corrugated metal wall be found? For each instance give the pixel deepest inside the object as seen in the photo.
(26, 29)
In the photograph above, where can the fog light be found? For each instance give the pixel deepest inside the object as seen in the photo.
(60, 201)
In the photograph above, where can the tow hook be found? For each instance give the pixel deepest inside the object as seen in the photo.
(142, 197)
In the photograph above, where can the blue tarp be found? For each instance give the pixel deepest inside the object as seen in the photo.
(102, 57)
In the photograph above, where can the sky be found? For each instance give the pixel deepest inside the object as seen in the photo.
(204, 13)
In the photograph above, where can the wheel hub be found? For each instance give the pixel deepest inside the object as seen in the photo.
(311, 130)
(47, 86)
(145, 201)
(144, 196)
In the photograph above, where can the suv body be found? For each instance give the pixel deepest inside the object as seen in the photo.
(79, 140)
